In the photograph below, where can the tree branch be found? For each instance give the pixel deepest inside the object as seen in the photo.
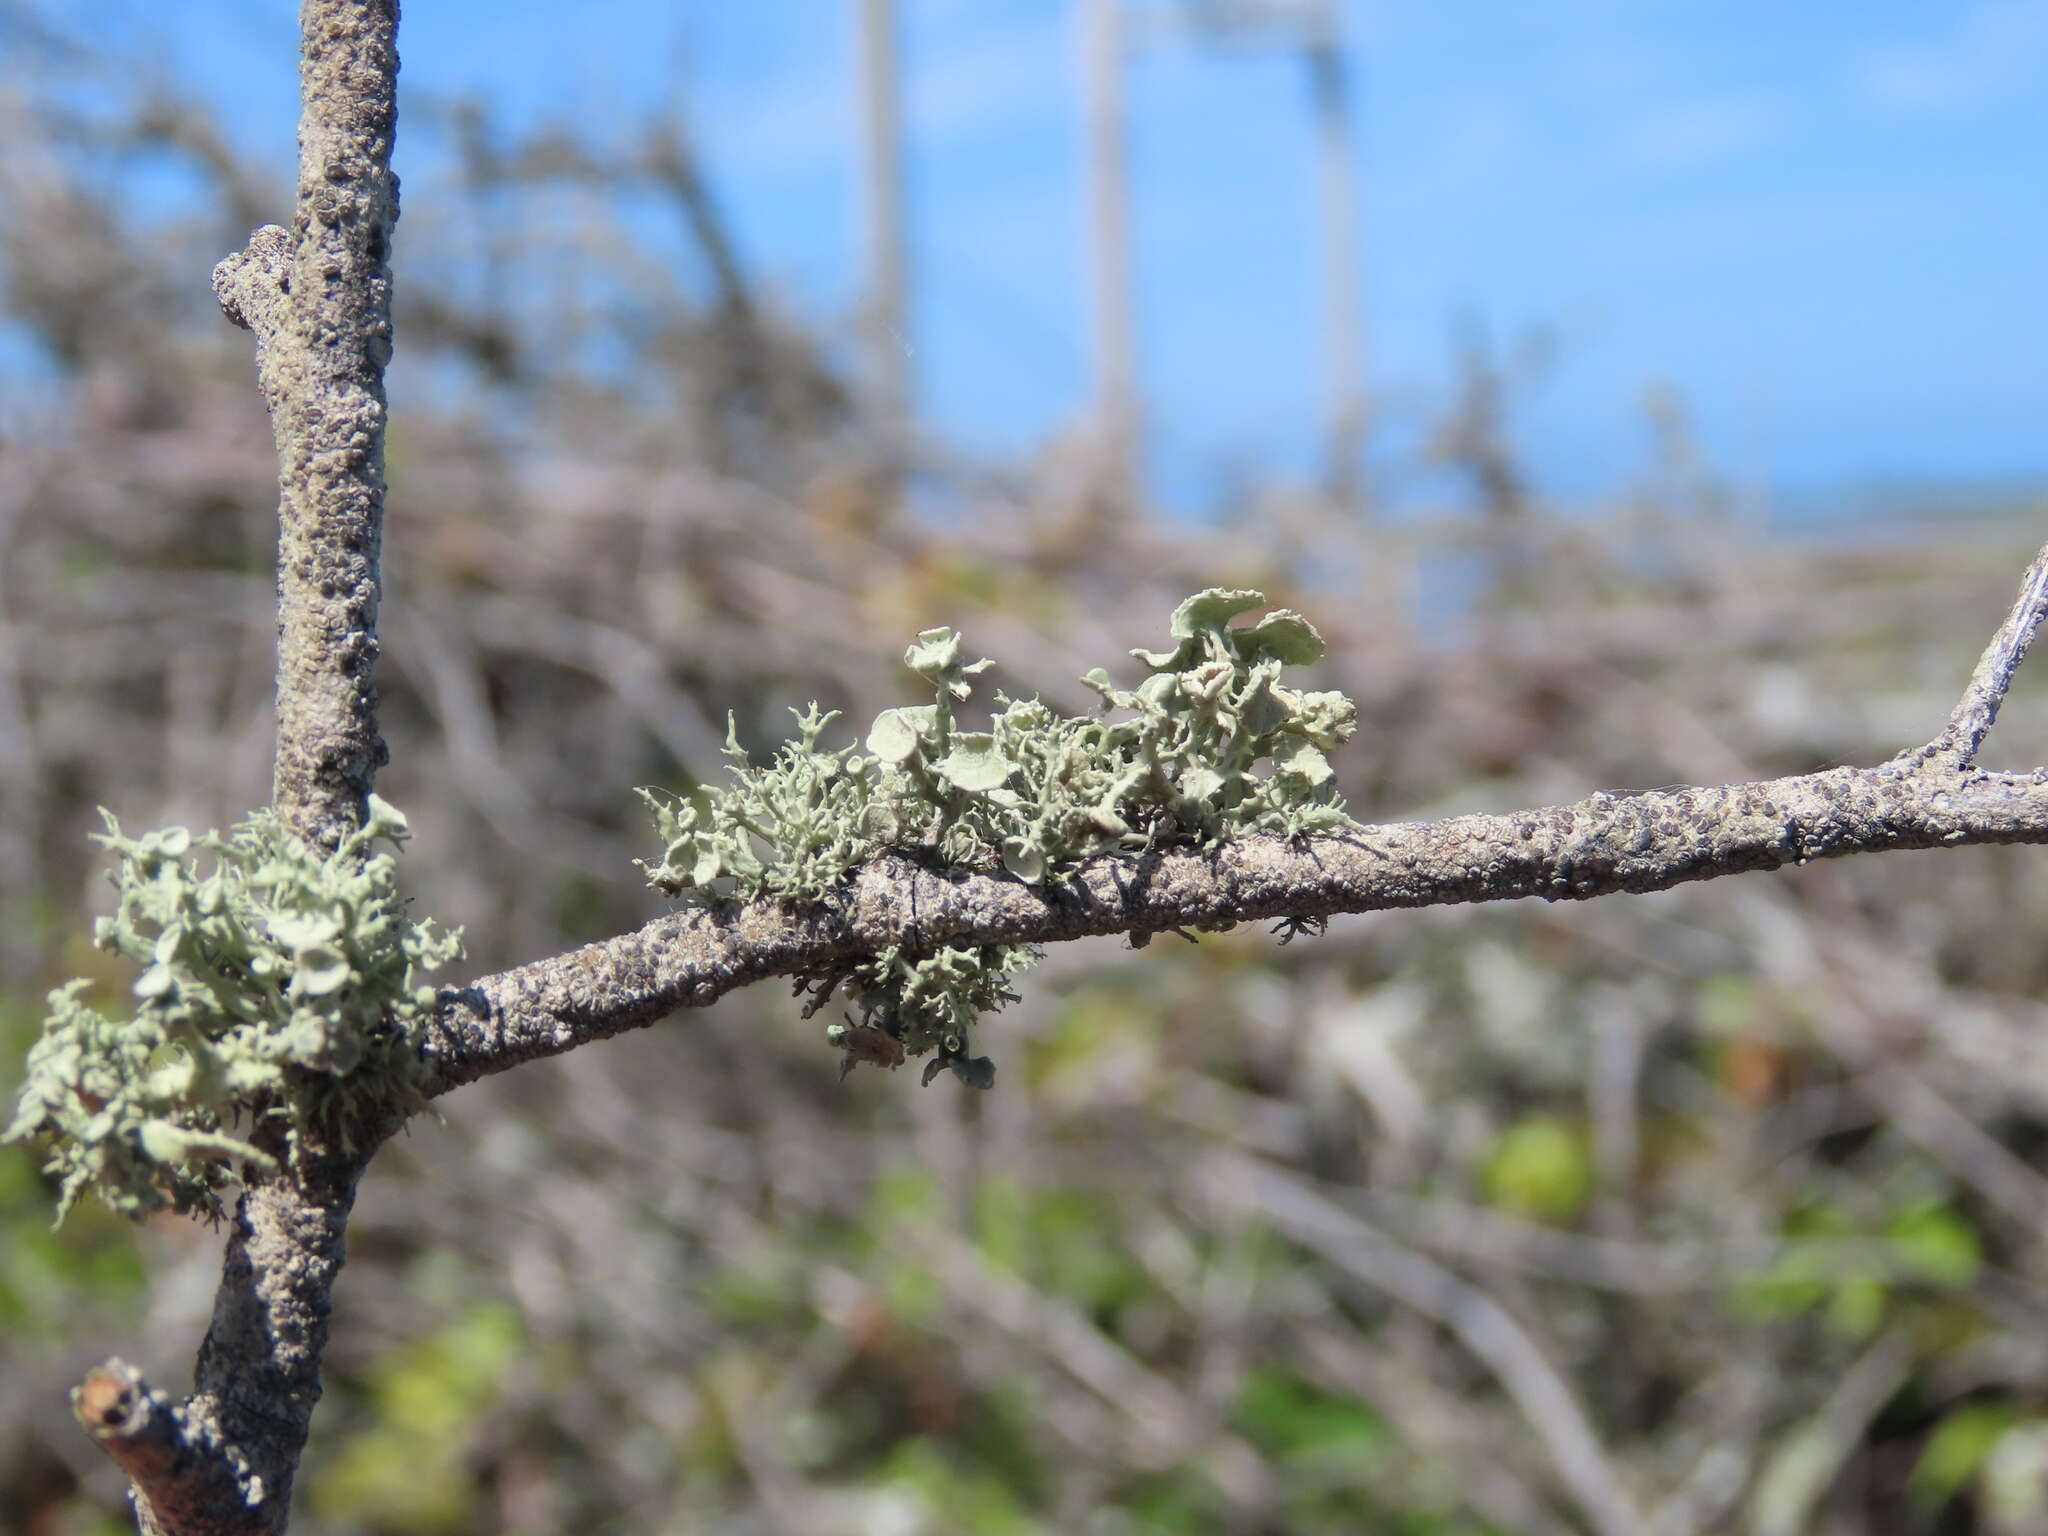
(1978, 707)
(183, 1479)
(1482, 1324)
(1927, 797)
(318, 299)
(258, 1377)
(319, 302)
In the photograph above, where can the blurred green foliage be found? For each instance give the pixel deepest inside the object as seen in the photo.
(1540, 1167)
(411, 1469)
(43, 1270)
(1853, 1274)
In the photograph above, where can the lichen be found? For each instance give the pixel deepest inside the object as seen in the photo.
(1212, 745)
(281, 983)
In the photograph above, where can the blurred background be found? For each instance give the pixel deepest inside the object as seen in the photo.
(1634, 396)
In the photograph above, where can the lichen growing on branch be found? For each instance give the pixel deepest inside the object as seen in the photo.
(1211, 746)
(282, 982)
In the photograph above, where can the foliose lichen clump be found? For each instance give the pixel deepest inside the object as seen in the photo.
(279, 982)
(1211, 746)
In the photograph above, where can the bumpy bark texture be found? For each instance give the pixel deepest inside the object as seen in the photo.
(1933, 796)
(319, 300)
(195, 1482)
(1598, 847)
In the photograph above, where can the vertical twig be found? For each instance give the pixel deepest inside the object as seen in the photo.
(319, 300)
(1115, 405)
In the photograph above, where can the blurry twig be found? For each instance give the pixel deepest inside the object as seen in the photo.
(1807, 1461)
(1538, 1389)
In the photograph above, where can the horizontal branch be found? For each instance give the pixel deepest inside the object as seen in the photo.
(1604, 845)
(1929, 797)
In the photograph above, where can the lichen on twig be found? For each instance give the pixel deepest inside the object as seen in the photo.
(1210, 746)
(280, 986)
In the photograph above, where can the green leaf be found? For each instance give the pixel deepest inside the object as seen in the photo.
(1295, 1421)
(1856, 1308)
(1961, 1443)
(1937, 1245)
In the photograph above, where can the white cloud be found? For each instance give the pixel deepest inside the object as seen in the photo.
(1996, 50)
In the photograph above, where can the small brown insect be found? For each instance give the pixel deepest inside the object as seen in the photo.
(863, 1042)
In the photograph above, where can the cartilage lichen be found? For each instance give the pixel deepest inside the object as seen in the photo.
(1211, 746)
(282, 982)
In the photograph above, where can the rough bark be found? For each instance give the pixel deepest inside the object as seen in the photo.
(1934, 796)
(318, 299)
(1601, 846)
(222, 1461)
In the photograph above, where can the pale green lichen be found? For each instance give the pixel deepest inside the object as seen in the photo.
(280, 982)
(1211, 746)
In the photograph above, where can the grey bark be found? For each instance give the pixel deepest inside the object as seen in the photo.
(1600, 846)
(318, 300)
(222, 1462)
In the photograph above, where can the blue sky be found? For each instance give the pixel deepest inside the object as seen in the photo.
(1824, 225)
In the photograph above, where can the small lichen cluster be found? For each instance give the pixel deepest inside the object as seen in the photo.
(280, 982)
(1212, 745)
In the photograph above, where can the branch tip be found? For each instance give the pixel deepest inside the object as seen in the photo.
(184, 1478)
(1974, 713)
(108, 1400)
